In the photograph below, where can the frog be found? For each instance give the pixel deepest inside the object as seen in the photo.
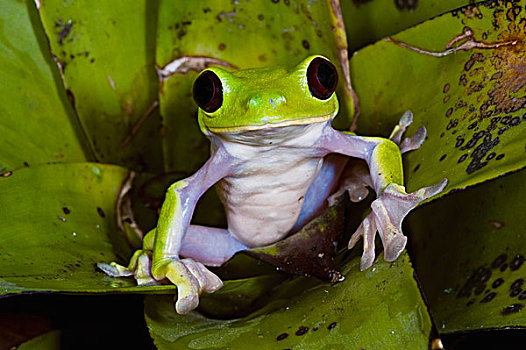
(277, 163)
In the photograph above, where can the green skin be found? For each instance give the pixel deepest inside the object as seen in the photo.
(270, 120)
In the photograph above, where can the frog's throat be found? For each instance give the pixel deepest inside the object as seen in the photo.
(303, 121)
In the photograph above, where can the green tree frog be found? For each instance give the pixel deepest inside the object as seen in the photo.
(276, 162)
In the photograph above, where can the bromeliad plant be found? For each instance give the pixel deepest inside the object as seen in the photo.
(97, 119)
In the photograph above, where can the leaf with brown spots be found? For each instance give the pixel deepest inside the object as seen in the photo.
(471, 270)
(472, 102)
(306, 314)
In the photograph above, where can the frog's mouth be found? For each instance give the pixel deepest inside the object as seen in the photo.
(280, 124)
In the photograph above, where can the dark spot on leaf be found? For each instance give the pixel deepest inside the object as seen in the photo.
(460, 141)
(499, 260)
(275, 1)
(497, 283)
(7, 174)
(489, 297)
(446, 88)
(500, 156)
(286, 2)
(479, 289)
(332, 326)
(462, 158)
(61, 218)
(503, 267)
(470, 302)
(517, 262)
(512, 309)
(449, 112)
(416, 167)
(305, 44)
(66, 210)
(261, 17)
(302, 330)
(443, 157)
(101, 212)
(517, 284)
(221, 46)
(522, 296)
(282, 336)
(64, 30)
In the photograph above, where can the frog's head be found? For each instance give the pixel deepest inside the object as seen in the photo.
(262, 98)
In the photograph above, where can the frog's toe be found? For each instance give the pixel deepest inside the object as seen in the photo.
(191, 278)
(394, 247)
(114, 270)
(415, 141)
(401, 127)
(367, 230)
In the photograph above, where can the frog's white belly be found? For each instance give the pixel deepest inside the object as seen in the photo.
(264, 196)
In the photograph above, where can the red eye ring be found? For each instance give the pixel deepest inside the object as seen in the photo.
(322, 78)
(208, 91)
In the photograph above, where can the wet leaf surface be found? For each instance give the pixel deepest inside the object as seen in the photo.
(106, 55)
(471, 102)
(194, 35)
(61, 223)
(367, 21)
(384, 302)
(470, 250)
(29, 95)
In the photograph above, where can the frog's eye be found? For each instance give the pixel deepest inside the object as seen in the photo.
(322, 78)
(208, 91)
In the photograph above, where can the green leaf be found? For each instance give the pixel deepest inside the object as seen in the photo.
(59, 221)
(46, 341)
(236, 34)
(471, 102)
(106, 54)
(367, 21)
(37, 123)
(376, 309)
(477, 237)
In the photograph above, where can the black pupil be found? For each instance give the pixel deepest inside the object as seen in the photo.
(204, 89)
(326, 75)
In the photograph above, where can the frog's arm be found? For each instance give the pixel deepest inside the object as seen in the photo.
(392, 204)
(190, 277)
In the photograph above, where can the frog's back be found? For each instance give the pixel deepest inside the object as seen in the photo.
(264, 195)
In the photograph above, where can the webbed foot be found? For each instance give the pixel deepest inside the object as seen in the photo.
(388, 212)
(408, 143)
(191, 278)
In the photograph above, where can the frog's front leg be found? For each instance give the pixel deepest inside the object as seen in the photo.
(173, 236)
(384, 160)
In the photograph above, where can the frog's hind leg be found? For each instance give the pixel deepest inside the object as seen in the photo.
(324, 184)
(208, 245)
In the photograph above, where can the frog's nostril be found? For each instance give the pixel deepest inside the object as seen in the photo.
(266, 101)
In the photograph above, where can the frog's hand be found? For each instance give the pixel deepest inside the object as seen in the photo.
(190, 277)
(393, 203)
(409, 143)
(388, 212)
